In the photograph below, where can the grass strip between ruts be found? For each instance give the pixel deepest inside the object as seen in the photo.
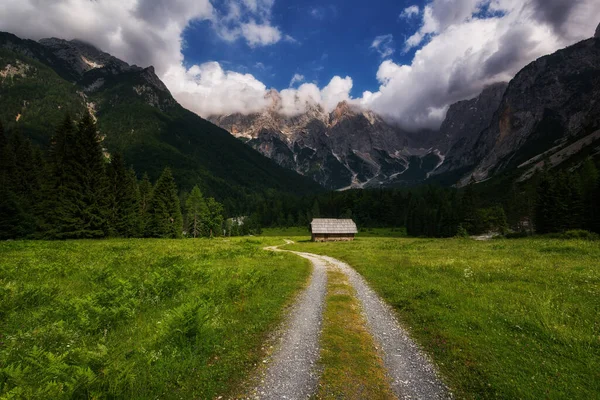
(352, 367)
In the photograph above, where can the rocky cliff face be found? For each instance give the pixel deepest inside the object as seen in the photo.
(549, 105)
(348, 147)
(82, 57)
(462, 126)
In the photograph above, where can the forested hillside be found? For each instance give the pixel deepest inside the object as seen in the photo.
(136, 116)
(74, 192)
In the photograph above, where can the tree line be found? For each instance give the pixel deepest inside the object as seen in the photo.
(550, 202)
(75, 191)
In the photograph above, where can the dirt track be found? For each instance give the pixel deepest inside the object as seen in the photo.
(292, 372)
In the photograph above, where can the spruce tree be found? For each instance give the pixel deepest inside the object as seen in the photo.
(215, 217)
(123, 211)
(145, 193)
(468, 207)
(316, 209)
(62, 195)
(546, 206)
(76, 205)
(15, 222)
(197, 213)
(589, 180)
(595, 208)
(92, 179)
(164, 211)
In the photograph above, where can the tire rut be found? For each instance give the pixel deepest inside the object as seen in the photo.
(292, 372)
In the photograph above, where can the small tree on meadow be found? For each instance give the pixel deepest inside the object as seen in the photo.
(164, 211)
(197, 213)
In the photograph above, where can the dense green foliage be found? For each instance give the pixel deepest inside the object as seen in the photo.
(502, 319)
(164, 212)
(551, 202)
(75, 192)
(137, 319)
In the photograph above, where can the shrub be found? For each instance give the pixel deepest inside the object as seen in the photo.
(580, 234)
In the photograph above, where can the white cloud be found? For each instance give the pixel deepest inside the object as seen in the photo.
(141, 32)
(469, 48)
(410, 12)
(384, 45)
(260, 34)
(295, 101)
(208, 90)
(297, 78)
(462, 45)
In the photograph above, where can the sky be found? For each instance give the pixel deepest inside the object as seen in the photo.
(407, 60)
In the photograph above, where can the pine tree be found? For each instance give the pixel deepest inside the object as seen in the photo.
(15, 222)
(469, 208)
(123, 213)
(316, 209)
(589, 181)
(546, 206)
(197, 213)
(145, 193)
(62, 197)
(215, 217)
(92, 179)
(164, 211)
(76, 192)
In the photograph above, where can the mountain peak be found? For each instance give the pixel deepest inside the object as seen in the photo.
(82, 56)
(343, 109)
(597, 34)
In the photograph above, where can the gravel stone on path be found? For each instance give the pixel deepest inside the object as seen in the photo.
(292, 371)
(413, 376)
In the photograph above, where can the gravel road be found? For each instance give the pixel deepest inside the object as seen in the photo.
(413, 376)
(292, 371)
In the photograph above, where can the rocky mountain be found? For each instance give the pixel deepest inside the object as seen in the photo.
(549, 111)
(136, 114)
(346, 148)
(551, 105)
(464, 122)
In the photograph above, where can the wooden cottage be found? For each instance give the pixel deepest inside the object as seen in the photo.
(328, 229)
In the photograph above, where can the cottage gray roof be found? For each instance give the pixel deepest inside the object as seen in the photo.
(331, 225)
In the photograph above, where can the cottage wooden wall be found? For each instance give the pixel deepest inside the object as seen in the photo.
(332, 237)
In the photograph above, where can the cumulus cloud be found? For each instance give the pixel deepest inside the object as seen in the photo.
(260, 34)
(142, 32)
(460, 46)
(209, 90)
(466, 45)
(410, 12)
(296, 101)
(384, 45)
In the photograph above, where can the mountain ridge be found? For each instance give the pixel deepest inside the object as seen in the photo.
(547, 107)
(137, 116)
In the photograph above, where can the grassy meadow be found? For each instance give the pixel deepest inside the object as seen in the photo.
(138, 318)
(502, 319)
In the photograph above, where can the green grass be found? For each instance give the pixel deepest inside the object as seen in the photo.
(503, 319)
(138, 318)
(352, 367)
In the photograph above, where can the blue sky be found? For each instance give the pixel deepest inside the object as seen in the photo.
(223, 56)
(333, 38)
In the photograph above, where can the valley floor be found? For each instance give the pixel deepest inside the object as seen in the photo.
(199, 318)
